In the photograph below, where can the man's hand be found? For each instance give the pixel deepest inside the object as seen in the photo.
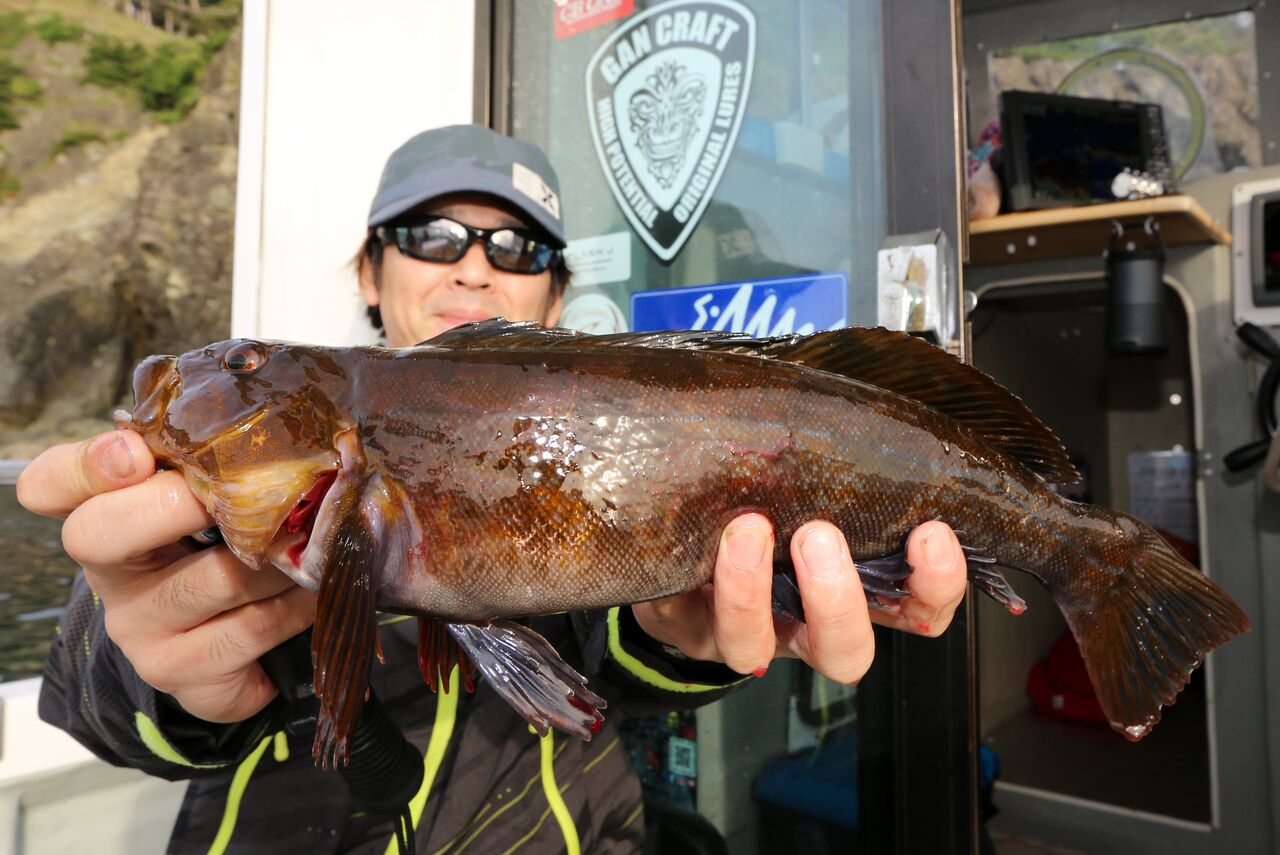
(193, 623)
(731, 620)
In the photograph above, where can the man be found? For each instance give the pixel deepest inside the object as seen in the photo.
(156, 665)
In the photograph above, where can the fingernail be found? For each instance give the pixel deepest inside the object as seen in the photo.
(760, 672)
(939, 551)
(117, 459)
(821, 554)
(745, 547)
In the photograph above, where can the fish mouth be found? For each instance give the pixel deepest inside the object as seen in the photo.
(156, 383)
(294, 535)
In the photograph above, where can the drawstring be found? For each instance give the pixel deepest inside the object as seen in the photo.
(384, 771)
(404, 831)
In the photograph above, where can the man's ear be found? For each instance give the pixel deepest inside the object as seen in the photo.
(368, 282)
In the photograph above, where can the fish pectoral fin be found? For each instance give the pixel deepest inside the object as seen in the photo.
(529, 674)
(345, 634)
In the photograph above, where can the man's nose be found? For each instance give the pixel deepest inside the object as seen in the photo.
(473, 269)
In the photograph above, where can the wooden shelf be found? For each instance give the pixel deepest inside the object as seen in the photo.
(1086, 229)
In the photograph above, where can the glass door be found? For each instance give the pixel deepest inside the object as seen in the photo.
(736, 165)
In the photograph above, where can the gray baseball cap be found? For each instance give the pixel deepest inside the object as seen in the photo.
(469, 159)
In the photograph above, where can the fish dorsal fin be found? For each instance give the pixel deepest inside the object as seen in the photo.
(894, 361)
(915, 369)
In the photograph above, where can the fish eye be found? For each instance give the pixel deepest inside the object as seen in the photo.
(244, 358)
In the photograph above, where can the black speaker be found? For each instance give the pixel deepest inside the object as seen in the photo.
(1136, 323)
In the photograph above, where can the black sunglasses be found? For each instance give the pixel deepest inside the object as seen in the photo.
(443, 240)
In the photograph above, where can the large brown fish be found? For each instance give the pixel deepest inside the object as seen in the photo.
(503, 470)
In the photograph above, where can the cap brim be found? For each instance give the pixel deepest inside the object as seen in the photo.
(412, 192)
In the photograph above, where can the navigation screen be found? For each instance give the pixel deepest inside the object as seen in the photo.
(1270, 238)
(1075, 153)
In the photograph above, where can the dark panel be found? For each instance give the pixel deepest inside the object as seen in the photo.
(917, 706)
(1267, 33)
(483, 85)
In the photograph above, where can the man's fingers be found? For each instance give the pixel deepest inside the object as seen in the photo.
(682, 622)
(63, 477)
(212, 670)
(743, 584)
(208, 583)
(837, 641)
(122, 526)
(937, 582)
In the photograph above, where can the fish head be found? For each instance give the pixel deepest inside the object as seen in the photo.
(252, 425)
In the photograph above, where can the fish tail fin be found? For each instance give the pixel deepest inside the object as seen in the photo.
(1147, 626)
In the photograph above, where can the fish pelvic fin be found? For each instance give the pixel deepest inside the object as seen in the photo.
(529, 674)
(345, 634)
(1143, 634)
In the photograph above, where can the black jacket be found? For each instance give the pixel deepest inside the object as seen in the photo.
(255, 790)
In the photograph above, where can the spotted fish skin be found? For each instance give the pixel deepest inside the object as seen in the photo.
(504, 470)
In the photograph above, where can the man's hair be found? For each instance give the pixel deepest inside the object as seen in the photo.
(373, 249)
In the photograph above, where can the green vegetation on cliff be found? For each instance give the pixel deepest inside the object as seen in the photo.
(162, 70)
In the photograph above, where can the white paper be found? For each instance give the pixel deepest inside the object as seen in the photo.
(597, 260)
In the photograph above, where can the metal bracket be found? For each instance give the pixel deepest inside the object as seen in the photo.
(915, 281)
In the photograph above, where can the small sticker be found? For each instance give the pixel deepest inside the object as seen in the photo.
(531, 184)
(682, 757)
(597, 260)
(764, 307)
(593, 313)
(577, 16)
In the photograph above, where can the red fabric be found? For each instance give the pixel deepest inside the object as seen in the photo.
(1059, 685)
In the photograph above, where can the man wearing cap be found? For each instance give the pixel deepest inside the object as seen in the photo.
(157, 666)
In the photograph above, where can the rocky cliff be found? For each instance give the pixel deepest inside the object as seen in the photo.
(116, 239)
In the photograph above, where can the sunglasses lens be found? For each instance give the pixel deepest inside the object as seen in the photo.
(515, 253)
(437, 240)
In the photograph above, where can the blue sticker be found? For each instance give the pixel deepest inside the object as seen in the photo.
(763, 307)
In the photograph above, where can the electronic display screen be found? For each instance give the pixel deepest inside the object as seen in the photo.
(1270, 239)
(1074, 153)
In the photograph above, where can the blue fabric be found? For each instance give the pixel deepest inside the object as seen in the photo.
(821, 782)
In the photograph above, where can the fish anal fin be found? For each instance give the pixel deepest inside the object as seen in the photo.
(344, 638)
(529, 674)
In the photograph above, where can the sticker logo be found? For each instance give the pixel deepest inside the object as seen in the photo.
(576, 16)
(665, 98)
